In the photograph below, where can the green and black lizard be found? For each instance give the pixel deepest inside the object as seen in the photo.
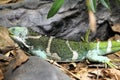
(63, 50)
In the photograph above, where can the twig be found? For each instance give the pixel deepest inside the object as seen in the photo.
(64, 69)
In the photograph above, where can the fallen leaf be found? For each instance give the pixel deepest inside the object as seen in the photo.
(113, 74)
(20, 58)
(83, 74)
(1, 75)
(8, 1)
(117, 53)
(4, 1)
(5, 40)
(9, 47)
(5, 44)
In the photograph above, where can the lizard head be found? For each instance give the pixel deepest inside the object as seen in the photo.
(21, 32)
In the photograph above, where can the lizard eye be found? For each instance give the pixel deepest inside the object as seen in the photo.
(11, 31)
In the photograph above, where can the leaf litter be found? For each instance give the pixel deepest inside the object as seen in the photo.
(11, 56)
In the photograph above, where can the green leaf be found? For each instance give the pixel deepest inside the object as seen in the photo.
(93, 5)
(55, 7)
(105, 3)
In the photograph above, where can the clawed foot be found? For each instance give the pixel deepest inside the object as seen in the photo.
(110, 64)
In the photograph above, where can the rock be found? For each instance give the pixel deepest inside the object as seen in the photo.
(104, 31)
(71, 22)
(36, 69)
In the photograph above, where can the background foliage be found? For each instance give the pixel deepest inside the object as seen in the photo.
(91, 4)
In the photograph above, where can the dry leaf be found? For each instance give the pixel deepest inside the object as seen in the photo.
(20, 58)
(7, 45)
(1, 75)
(8, 1)
(116, 27)
(5, 40)
(4, 1)
(113, 74)
(83, 74)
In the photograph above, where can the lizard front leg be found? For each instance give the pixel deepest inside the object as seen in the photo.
(96, 55)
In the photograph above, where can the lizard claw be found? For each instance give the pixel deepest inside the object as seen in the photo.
(111, 65)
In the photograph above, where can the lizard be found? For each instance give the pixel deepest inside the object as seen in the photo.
(63, 50)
